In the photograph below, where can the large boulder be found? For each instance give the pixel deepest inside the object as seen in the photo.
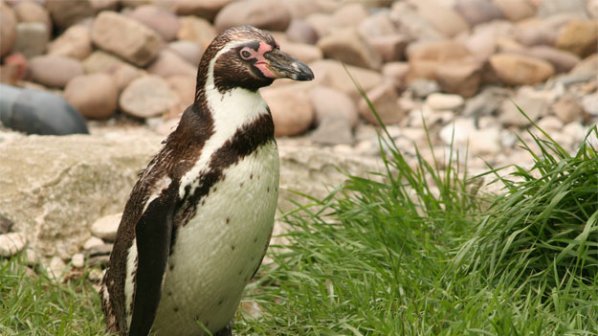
(55, 188)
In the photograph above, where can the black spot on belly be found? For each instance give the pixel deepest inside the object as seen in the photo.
(171, 267)
(169, 293)
(227, 220)
(232, 247)
(176, 309)
(255, 240)
(220, 302)
(268, 189)
(251, 176)
(241, 185)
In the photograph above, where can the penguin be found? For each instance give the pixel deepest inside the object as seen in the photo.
(199, 219)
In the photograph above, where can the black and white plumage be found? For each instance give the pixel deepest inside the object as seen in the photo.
(198, 221)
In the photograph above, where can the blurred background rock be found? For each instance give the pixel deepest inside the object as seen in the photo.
(458, 65)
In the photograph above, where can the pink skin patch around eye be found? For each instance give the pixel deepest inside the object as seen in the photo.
(262, 63)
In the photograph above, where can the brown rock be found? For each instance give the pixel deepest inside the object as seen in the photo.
(425, 57)
(8, 29)
(336, 115)
(579, 37)
(94, 96)
(170, 64)
(160, 20)
(461, 78)
(32, 39)
(304, 52)
(515, 10)
(148, 96)
(532, 32)
(103, 5)
(478, 11)
(567, 109)
(384, 98)
(377, 25)
(66, 13)
(125, 38)
(335, 75)
(396, 72)
(196, 30)
(514, 69)
(206, 9)
(31, 11)
(404, 15)
(291, 109)
(390, 47)
(264, 14)
(189, 51)
(184, 87)
(444, 19)
(346, 45)
(349, 15)
(321, 23)
(75, 42)
(122, 72)
(54, 71)
(563, 61)
(300, 31)
(534, 103)
(482, 43)
(303, 8)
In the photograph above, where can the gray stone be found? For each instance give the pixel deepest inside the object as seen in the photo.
(567, 109)
(443, 101)
(148, 96)
(106, 227)
(12, 243)
(78, 260)
(92, 242)
(590, 104)
(422, 88)
(534, 103)
(347, 46)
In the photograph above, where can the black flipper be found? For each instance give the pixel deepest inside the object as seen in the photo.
(153, 232)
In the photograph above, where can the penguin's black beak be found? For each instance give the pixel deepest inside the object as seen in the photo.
(282, 65)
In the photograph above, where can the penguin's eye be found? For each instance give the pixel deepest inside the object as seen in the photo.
(246, 54)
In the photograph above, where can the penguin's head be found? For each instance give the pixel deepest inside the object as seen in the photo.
(249, 58)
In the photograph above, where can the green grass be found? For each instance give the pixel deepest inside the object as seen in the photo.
(410, 251)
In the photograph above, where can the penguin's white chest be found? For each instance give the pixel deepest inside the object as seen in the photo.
(218, 250)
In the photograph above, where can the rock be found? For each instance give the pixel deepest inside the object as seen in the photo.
(534, 103)
(441, 101)
(12, 243)
(66, 13)
(390, 48)
(291, 110)
(8, 29)
(206, 9)
(300, 31)
(196, 30)
(170, 64)
(396, 72)
(5, 224)
(123, 73)
(384, 99)
(486, 141)
(126, 38)
(411, 24)
(94, 95)
(563, 61)
(514, 69)
(184, 87)
(377, 25)
(106, 227)
(550, 124)
(349, 15)
(579, 37)
(303, 8)
(515, 10)
(104, 5)
(56, 269)
(422, 88)
(321, 23)
(78, 260)
(567, 109)
(263, 14)
(75, 42)
(187, 50)
(458, 132)
(482, 43)
(333, 131)
(348, 46)
(446, 20)
(486, 103)
(555, 7)
(462, 78)
(533, 32)
(32, 39)
(159, 19)
(92, 242)
(148, 96)
(590, 104)
(54, 71)
(334, 74)
(329, 103)
(425, 57)
(303, 52)
(478, 11)
(31, 11)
